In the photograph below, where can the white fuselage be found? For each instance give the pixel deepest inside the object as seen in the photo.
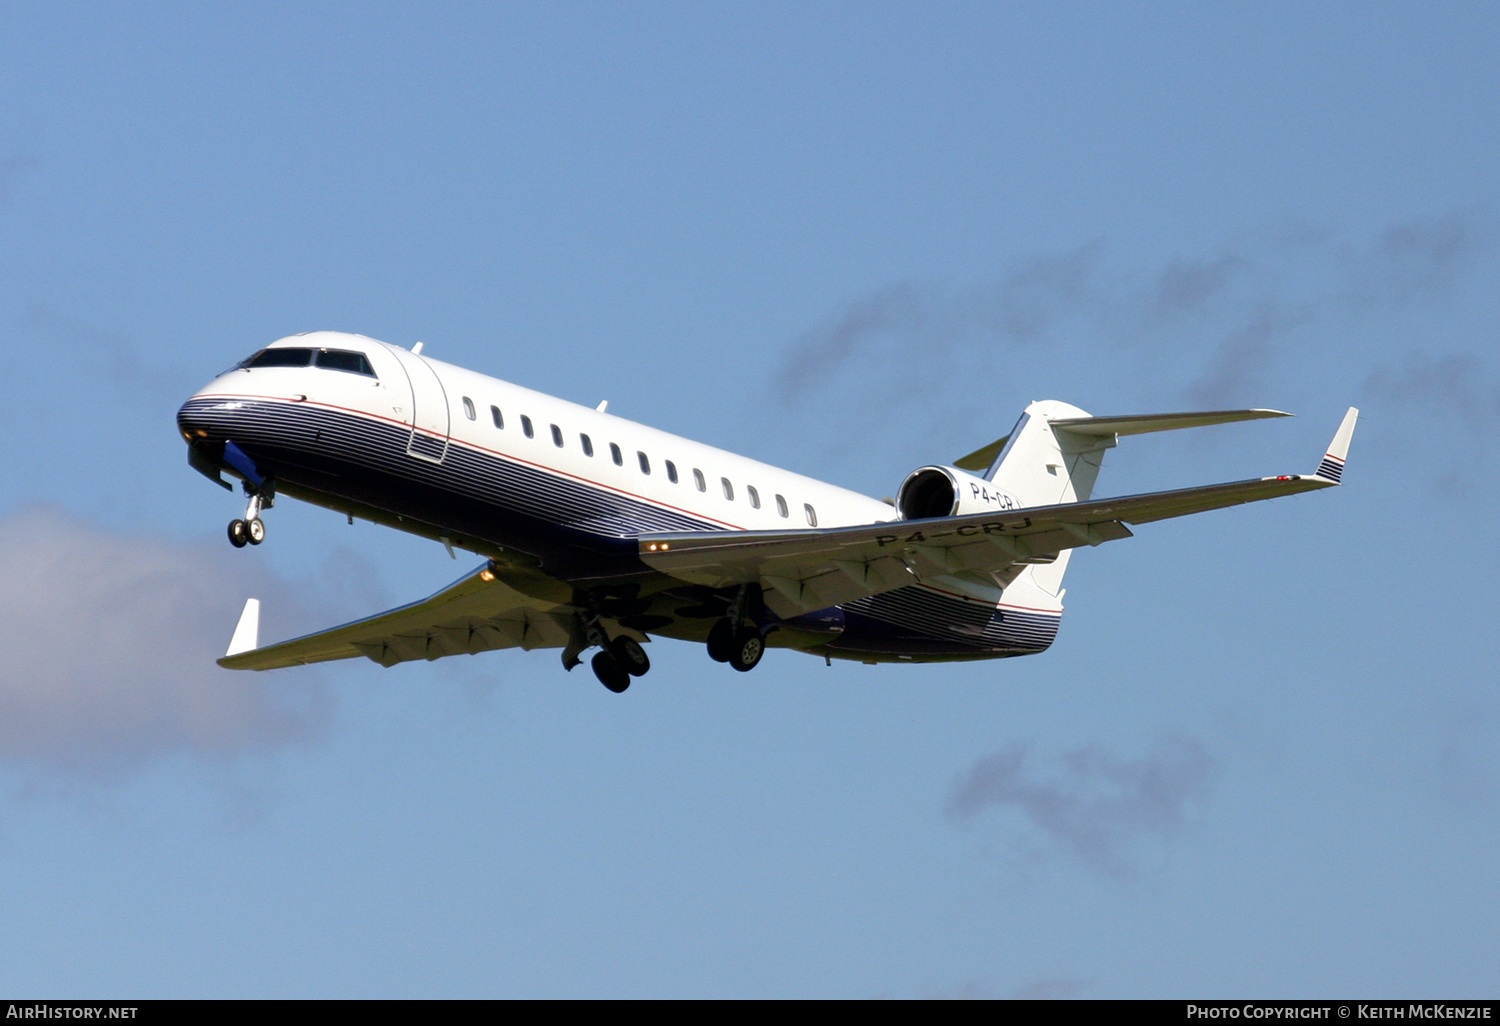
(502, 470)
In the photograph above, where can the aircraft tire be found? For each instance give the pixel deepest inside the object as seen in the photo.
(255, 530)
(237, 535)
(610, 673)
(721, 641)
(630, 655)
(749, 646)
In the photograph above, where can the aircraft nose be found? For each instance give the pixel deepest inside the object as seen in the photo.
(205, 416)
(192, 423)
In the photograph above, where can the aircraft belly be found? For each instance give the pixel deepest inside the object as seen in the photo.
(924, 622)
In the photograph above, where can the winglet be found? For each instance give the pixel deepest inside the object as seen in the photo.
(1332, 467)
(247, 632)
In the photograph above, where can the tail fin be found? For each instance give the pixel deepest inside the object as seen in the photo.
(1042, 465)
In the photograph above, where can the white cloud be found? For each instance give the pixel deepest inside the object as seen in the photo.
(109, 644)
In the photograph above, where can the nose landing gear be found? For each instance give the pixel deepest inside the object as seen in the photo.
(252, 530)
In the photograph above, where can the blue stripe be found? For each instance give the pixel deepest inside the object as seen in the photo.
(1330, 469)
(979, 625)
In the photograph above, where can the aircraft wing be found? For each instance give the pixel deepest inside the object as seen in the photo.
(805, 570)
(482, 610)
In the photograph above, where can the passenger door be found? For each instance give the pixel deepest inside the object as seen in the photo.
(428, 413)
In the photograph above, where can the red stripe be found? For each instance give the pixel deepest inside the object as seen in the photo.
(471, 446)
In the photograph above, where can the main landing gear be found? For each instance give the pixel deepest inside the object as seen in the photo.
(252, 530)
(731, 641)
(622, 659)
(616, 661)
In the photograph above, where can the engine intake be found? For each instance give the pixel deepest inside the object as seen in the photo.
(949, 492)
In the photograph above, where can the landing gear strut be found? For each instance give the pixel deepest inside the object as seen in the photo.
(252, 530)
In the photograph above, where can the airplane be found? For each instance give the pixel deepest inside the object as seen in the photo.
(598, 532)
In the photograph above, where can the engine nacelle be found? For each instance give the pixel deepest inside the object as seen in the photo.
(948, 492)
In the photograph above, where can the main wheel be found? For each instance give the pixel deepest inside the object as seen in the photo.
(610, 673)
(237, 535)
(721, 641)
(749, 646)
(630, 655)
(255, 530)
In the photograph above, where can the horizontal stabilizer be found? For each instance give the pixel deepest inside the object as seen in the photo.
(980, 459)
(1159, 421)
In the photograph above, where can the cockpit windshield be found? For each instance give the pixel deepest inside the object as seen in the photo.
(328, 359)
(344, 360)
(278, 358)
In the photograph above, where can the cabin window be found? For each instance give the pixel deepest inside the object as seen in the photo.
(645, 462)
(468, 407)
(698, 480)
(344, 360)
(526, 427)
(671, 471)
(557, 436)
(728, 488)
(754, 496)
(587, 443)
(616, 455)
(278, 358)
(812, 514)
(495, 416)
(781, 505)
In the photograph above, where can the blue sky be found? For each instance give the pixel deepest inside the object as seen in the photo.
(847, 239)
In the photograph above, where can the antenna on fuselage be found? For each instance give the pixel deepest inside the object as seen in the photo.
(603, 405)
(416, 350)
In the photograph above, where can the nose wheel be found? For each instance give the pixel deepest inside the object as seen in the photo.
(247, 532)
(252, 529)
